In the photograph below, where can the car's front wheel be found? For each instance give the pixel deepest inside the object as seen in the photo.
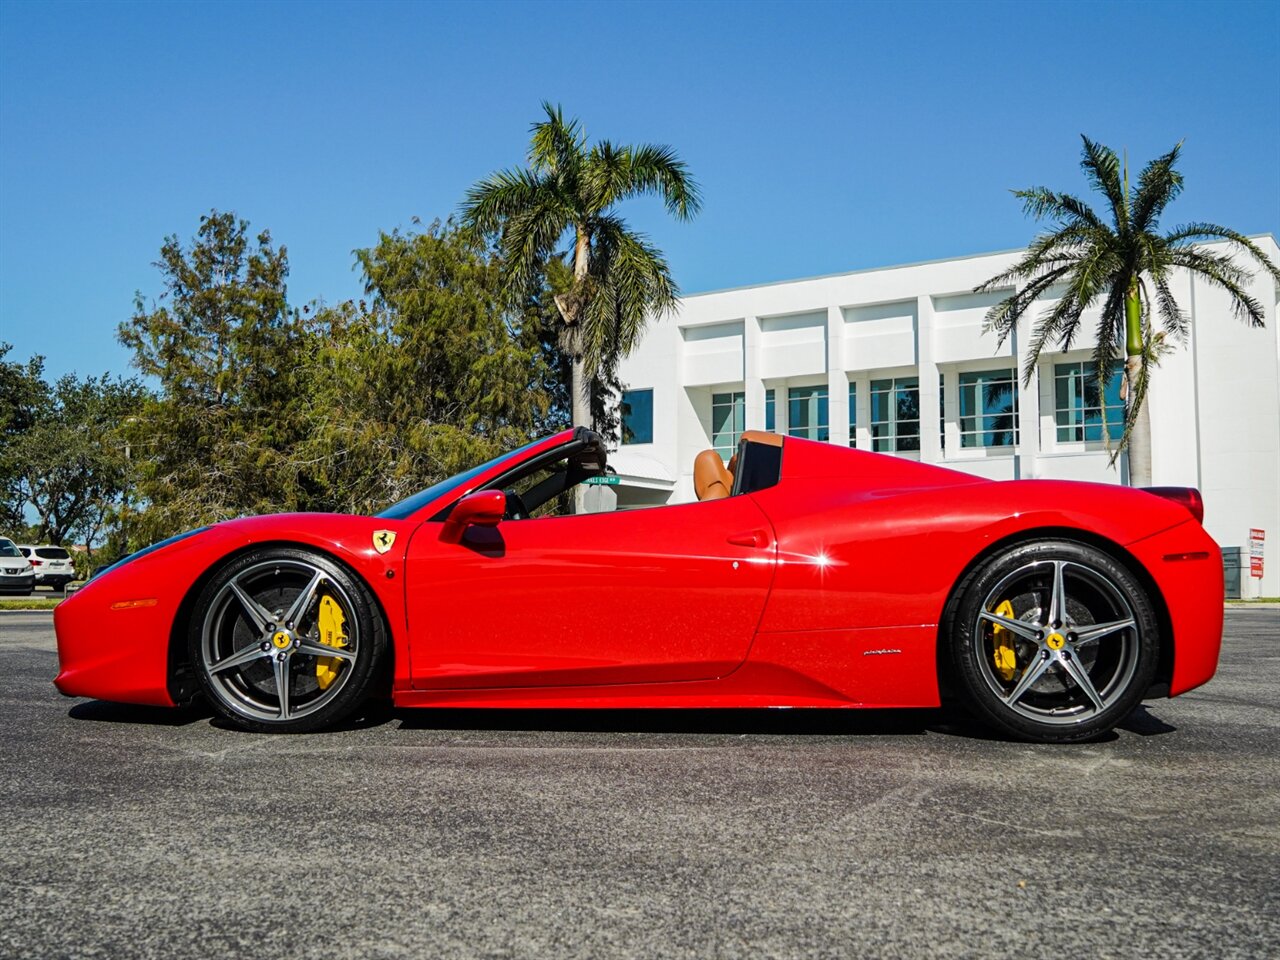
(286, 640)
(1053, 641)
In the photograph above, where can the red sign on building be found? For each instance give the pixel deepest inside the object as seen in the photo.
(1257, 538)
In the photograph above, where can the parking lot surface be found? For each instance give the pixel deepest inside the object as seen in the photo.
(144, 833)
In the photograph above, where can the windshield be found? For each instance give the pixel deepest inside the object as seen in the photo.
(52, 553)
(7, 549)
(409, 505)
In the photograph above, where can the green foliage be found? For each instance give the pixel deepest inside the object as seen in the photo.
(430, 376)
(264, 408)
(616, 278)
(65, 456)
(1117, 260)
(225, 349)
(23, 394)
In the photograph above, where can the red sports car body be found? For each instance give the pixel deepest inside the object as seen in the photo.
(826, 577)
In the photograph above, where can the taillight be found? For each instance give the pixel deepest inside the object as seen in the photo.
(1189, 497)
(36, 563)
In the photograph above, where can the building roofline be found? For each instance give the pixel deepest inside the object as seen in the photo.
(895, 266)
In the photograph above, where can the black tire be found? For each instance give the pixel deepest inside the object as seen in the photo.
(1052, 675)
(246, 651)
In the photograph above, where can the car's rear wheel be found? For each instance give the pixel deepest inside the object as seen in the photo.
(286, 640)
(1053, 641)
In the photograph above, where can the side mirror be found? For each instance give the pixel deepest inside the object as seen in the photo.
(482, 508)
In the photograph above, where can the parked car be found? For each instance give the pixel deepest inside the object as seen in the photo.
(16, 573)
(53, 565)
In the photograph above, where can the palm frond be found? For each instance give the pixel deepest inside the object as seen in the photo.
(1110, 334)
(529, 237)
(634, 284)
(1004, 317)
(1174, 319)
(1041, 202)
(656, 168)
(1158, 186)
(1102, 168)
(1221, 272)
(604, 176)
(499, 196)
(556, 146)
(1190, 233)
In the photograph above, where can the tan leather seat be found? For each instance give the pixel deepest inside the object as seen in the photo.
(711, 479)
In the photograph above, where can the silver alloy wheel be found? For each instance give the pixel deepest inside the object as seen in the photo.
(260, 640)
(1075, 639)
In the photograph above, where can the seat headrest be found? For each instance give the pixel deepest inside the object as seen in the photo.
(711, 479)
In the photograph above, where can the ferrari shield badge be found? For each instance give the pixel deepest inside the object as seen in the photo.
(383, 539)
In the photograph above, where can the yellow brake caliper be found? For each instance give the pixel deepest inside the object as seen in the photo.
(1002, 643)
(332, 634)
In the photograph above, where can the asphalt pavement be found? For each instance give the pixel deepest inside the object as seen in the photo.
(133, 832)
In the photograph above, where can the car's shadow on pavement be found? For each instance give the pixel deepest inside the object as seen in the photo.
(103, 711)
(727, 721)
(740, 722)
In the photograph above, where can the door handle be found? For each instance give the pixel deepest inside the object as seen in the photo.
(750, 538)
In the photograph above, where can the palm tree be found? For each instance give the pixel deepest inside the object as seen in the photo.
(619, 279)
(1122, 262)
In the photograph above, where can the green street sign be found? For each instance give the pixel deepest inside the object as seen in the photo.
(604, 480)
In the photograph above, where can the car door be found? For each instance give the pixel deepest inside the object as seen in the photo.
(639, 596)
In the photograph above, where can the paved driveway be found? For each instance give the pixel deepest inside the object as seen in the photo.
(140, 833)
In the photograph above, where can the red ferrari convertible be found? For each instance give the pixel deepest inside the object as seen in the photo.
(806, 575)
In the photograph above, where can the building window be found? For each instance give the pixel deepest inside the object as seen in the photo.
(637, 416)
(1080, 408)
(728, 415)
(989, 409)
(895, 414)
(807, 413)
(942, 413)
(770, 417)
(853, 414)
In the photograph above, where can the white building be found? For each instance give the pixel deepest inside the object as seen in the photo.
(896, 360)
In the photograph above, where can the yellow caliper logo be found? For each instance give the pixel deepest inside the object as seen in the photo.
(1005, 656)
(333, 633)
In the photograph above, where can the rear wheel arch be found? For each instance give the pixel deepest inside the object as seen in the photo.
(181, 680)
(1164, 666)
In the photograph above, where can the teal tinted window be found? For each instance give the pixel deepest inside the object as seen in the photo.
(1081, 408)
(895, 414)
(807, 413)
(637, 416)
(728, 416)
(989, 409)
(770, 416)
(853, 415)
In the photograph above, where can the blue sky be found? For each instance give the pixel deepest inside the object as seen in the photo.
(826, 137)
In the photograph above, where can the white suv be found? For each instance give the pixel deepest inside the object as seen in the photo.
(16, 575)
(53, 565)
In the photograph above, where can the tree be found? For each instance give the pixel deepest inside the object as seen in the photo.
(618, 279)
(23, 396)
(225, 349)
(1122, 262)
(263, 408)
(71, 462)
(431, 375)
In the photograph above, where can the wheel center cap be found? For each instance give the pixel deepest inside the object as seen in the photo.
(281, 639)
(1055, 641)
